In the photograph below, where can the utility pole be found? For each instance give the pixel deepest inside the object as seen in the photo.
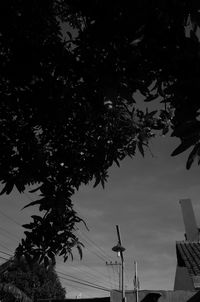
(119, 270)
(120, 249)
(136, 282)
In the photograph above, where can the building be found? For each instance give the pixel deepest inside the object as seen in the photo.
(157, 296)
(188, 252)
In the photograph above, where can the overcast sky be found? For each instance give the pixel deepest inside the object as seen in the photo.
(142, 197)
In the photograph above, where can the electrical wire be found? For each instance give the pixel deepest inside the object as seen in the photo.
(77, 287)
(87, 240)
(83, 283)
(11, 219)
(102, 252)
(4, 258)
(5, 247)
(6, 254)
(15, 222)
(101, 258)
(80, 280)
(9, 233)
(76, 280)
(92, 251)
(91, 275)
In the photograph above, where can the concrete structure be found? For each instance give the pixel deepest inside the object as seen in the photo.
(188, 252)
(191, 229)
(157, 296)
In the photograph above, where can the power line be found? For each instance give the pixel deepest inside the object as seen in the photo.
(5, 247)
(91, 275)
(9, 233)
(3, 258)
(11, 219)
(6, 253)
(101, 258)
(101, 254)
(83, 283)
(92, 251)
(101, 250)
(81, 280)
(76, 280)
(77, 287)
(8, 217)
(114, 265)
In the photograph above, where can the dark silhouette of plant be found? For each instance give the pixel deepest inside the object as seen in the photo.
(70, 75)
(30, 283)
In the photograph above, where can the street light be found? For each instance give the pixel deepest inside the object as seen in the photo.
(120, 249)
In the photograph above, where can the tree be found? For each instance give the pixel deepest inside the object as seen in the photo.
(9, 292)
(68, 101)
(35, 282)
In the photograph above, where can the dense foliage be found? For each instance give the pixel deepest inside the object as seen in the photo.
(35, 282)
(71, 73)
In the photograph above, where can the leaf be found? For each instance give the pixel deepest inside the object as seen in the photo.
(35, 190)
(37, 218)
(187, 129)
(69, 34)
(140, 147)
(192, 156)
(27, 234)
(72, 257)
(103, 183)
(165, 130)
(183, 147)
(28, 258)
(97, 181)
(63, 251)
(51, 254)
(79, 248)
(65, 258)
(28, 226)
(36, 256)
(151, 98)
(126, 94)
(33, 203)
(151, 114)
(117, 162)
(20, 187)
(46, 261)
(8, 188)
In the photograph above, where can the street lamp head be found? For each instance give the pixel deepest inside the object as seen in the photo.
(118, 248)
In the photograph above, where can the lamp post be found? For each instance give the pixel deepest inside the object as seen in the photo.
(120, 249)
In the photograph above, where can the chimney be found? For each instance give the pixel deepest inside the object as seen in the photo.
(191, 229)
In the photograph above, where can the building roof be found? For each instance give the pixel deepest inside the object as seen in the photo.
(188, 255)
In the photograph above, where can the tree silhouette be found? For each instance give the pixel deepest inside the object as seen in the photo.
(30, 283)
(70, 75)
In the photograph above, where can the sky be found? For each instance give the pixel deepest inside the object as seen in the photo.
(142, 197)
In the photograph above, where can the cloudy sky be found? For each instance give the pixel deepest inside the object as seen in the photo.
(142, 197)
